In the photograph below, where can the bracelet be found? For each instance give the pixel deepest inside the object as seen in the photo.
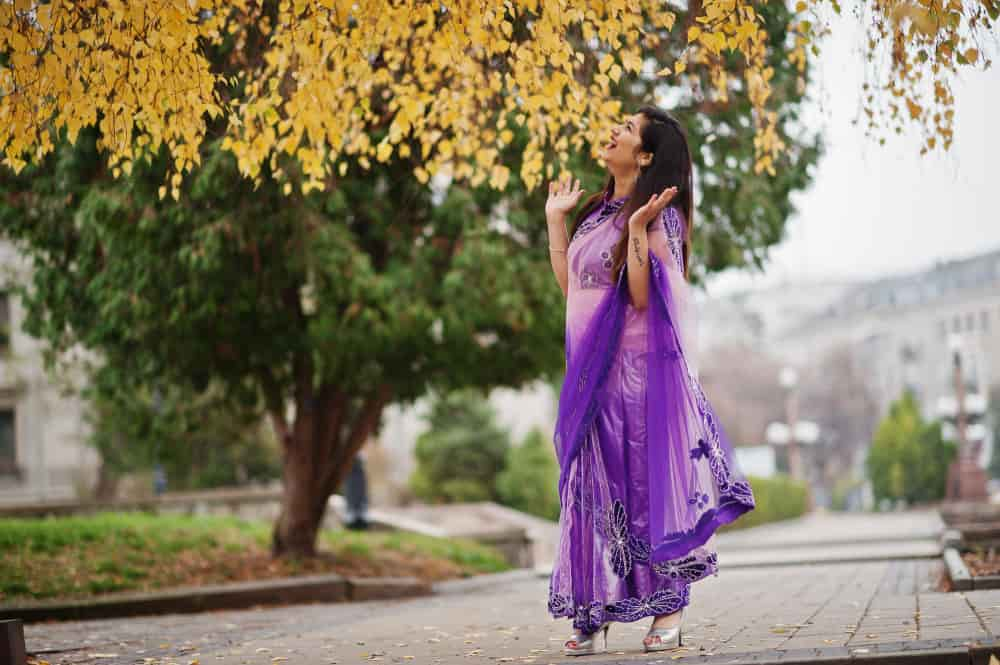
(553, 249)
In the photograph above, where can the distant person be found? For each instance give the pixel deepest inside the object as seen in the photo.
(356, 495)
(646, 473)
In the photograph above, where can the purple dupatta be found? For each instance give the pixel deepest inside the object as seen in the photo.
(688, 451)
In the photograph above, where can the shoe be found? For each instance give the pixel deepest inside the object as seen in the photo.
(586, 644)
(670, 637)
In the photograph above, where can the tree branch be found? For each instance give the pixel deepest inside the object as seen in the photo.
(368, 416)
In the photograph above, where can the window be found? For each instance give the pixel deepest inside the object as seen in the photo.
(984, 321)
(4, 321)
(970, 321)
(8, 443)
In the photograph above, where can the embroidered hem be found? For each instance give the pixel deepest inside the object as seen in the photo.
(624, 548)
(588, 618)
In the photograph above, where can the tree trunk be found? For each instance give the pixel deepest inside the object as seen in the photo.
(319, 449)
(106, 488)
(301, 509)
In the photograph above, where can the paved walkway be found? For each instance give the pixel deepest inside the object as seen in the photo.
(833, 537)
(796, 612)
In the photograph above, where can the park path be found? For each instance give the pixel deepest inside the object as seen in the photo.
(797, 611)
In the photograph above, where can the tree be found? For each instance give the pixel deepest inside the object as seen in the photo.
(320, 308)
(459, 457)
(200, 440)
(908, 458)
(743, 383)
(314, 79)
(835, 394)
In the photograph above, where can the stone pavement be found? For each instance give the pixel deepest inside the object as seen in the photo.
(824, 536)
(740, 612)
(801, 612)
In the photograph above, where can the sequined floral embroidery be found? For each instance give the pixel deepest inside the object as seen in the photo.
(624, 547)
(664, 601)
(675, 232)
(689, 568)
(588, 618)
(622, 543)
(588, 280)
(606, 256)
(711, 448)
(608, 208)
(698, 499)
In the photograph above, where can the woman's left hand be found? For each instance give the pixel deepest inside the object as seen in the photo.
(652, 208)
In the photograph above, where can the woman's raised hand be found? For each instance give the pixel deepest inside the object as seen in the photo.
(563, 196)
(652, 208)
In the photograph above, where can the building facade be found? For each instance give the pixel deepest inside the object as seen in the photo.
(43, 450)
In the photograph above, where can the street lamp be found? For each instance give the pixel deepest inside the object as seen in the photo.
(966, 480)
(789, 379)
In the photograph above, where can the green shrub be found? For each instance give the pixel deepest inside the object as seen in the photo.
(908, 458)
(777, 498)
(459, 457)
(530, 482)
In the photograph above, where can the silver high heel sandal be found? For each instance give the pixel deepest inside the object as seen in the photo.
(586, 645)
(670, 638)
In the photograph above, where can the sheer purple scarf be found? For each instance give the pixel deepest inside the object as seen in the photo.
(687, 447)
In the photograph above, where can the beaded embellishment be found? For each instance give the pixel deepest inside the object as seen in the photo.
(608, 209)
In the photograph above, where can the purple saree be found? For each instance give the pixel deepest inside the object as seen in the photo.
(647, 474)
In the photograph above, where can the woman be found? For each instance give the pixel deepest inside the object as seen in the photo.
(646, 473)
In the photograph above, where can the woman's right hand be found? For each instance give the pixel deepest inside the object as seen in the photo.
(563, 197)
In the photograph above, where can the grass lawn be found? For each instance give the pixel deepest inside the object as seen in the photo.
(84, 557)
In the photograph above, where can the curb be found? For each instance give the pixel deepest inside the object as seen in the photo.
(962, 578)
(821, 561)
(239, 595)
(970, 651)
(476, 582)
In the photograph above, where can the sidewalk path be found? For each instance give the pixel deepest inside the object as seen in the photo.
(832, 537)
(740, 612)
(745, 614)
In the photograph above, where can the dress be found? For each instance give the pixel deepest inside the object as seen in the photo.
(604, 569)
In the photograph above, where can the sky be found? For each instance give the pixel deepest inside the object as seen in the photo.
(874, 210)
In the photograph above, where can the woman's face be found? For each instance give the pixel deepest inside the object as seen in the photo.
(621, 149)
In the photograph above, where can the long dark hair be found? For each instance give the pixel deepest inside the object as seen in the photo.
(664, 137)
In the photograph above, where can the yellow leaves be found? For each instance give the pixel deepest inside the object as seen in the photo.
(920, 18)
(632, 61)
(384, 151)
(499, 176)
(445, 89)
